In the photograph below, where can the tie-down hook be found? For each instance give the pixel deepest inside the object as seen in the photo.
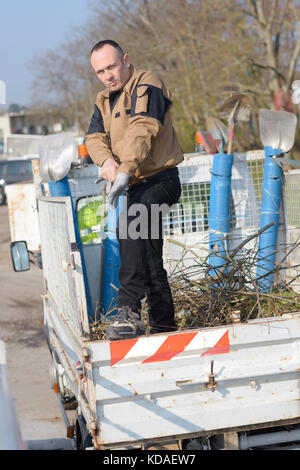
(211, 378)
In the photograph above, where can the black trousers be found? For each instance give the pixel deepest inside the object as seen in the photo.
(140, 239)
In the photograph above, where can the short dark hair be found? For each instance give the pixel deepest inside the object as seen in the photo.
(112, 43)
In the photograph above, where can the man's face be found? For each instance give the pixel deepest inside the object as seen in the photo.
(111, 68)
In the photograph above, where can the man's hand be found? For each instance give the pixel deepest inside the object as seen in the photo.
(109, 170)
(117, 188)
(102, 180)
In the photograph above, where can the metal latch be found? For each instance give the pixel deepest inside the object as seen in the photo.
(66, 264)
(211, 378)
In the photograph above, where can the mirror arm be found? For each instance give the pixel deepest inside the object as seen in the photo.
(37, 259)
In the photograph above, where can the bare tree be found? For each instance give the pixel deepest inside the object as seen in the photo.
(202, 49)
(276, 26)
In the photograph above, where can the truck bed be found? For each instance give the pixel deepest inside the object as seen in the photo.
(193, 382)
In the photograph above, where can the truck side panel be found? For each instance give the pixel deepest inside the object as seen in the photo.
(167, 385)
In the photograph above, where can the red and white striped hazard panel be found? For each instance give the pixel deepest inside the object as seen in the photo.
(147, 349)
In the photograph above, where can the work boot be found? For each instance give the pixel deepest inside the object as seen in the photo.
(127, 324)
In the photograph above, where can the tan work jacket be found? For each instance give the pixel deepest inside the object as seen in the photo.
(138, 130)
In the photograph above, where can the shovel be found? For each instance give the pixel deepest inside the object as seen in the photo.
(239, 108)
(277, 129)
(218, 131)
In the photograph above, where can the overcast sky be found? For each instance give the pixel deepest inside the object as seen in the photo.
(27, 28)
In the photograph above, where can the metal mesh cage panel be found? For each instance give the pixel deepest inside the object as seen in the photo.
(191, 214)
(186, 227)
(292, 208)
(56, 252)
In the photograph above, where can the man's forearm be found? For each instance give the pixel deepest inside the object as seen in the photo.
(98, 148)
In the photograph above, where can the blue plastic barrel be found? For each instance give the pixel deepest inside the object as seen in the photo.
(111, 265)
(270, 213)
(219, 210)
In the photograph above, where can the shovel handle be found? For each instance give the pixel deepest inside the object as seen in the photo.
(230, 138)
(231, 128)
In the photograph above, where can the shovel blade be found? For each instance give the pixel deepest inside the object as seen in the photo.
(277, 129)
(217, 129)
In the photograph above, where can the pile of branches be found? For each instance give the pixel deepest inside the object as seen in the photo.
(198, 305)
(205, 300)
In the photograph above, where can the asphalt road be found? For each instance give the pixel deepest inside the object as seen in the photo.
(21, 316)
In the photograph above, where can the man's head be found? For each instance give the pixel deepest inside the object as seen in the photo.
(111, 65)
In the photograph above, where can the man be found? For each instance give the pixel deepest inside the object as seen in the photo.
(132, 139)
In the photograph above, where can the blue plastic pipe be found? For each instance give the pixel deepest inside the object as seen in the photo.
(270, 212)
(111, 265)
(219, 210)
(61, 188)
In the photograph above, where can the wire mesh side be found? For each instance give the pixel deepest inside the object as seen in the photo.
(192, 212)
(57, 262)
(186, 227)
(292, 203)
(292, 196)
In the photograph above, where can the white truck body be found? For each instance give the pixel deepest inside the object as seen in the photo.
(224, 381)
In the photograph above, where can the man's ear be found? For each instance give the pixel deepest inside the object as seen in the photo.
(126, 60)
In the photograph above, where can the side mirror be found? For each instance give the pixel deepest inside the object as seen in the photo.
(20, 256)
